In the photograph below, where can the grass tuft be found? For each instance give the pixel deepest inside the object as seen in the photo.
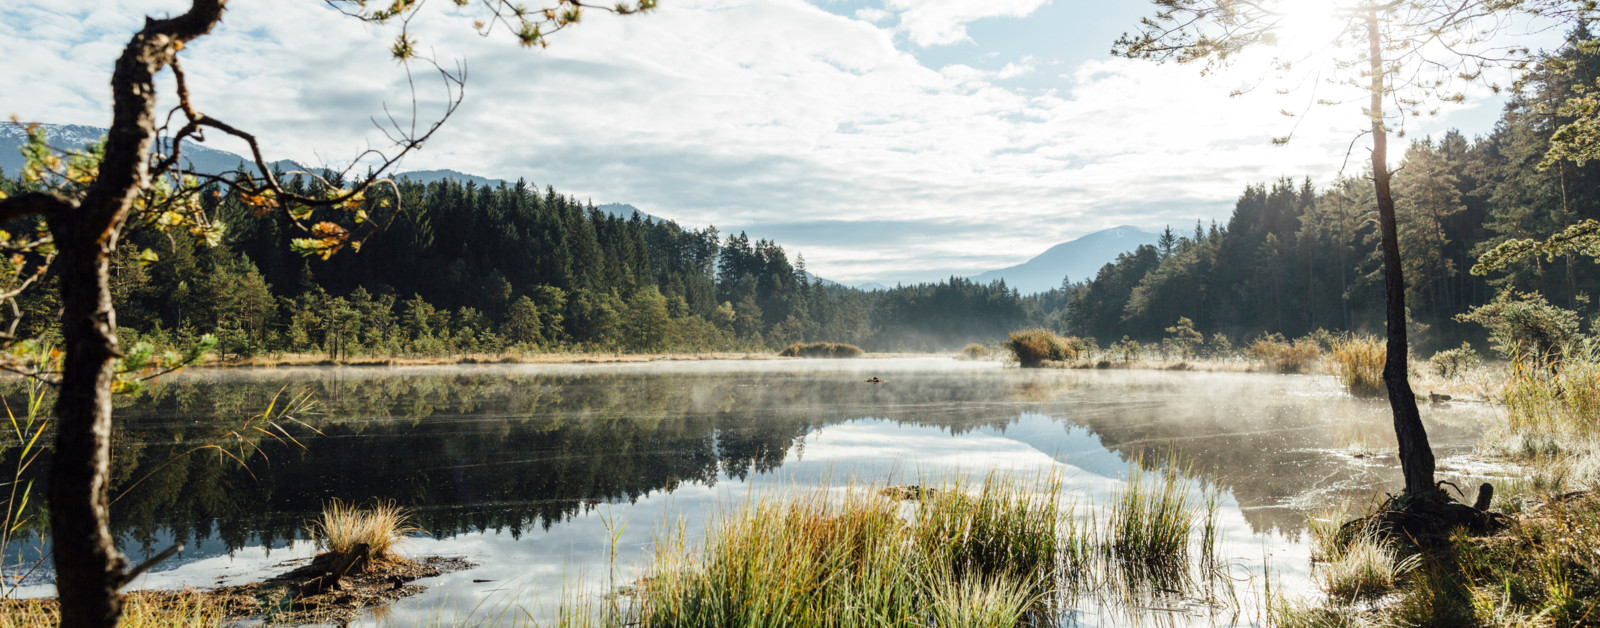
(1151, 520)
(344, 527)
(1365, 567)
(974, 351)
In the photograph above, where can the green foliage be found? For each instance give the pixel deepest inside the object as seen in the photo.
(1453, 362)
(1523, 325)
(1184, 337)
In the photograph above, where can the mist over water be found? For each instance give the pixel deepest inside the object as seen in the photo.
(527, 470)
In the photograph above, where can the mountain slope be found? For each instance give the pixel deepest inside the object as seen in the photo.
(1079, 259)
(197, 157)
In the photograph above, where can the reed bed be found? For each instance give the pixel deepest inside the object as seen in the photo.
(975, 351)
(1359, 364)
(1285, 356)
(984, 558)
(1559, 399)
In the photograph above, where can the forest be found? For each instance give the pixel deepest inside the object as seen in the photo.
(1295, 257)
(464, 268)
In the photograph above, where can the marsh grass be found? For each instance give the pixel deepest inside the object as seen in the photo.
(1151, 520)
(821, 350)
(1358, 361)
(1285, 356)
(1561, 400)
(141, 609)
(343, 527)
(1363, 567)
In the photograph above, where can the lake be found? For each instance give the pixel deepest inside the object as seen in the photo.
(531, 470)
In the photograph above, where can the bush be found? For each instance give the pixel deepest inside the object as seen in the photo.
(974, 351)
(1360, 360)
(1524, 325)
(1284, 356)
(1032, 347)
(1451, 362)
(822, 350)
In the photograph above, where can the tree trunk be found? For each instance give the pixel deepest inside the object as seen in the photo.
(89, 570)
(1416, 457)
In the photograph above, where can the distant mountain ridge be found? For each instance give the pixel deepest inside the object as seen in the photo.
(197, 157)
(1078, 260)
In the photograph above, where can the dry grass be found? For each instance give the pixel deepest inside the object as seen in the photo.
(1364, 567)
(142, 609)
(974, 351)
(1033, 347)
(1359, 363)
(1284, 356)
(344, 527)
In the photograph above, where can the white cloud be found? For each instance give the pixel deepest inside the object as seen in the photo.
(876, 16)
(942, 22)
(738, 113)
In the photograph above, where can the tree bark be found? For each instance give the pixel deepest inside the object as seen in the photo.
(1416, 456)
(89, 569)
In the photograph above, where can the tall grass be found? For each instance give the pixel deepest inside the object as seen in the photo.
(343, 528)
(141, 609)
(1364, 566)
(1560, 400)
(1359, 360)
(822, 350)
(1153, 518)
(1285, 356)
(818, 560)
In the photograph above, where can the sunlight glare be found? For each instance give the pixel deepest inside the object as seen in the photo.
(1307, 24)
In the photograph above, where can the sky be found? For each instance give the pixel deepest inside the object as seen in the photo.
(885, 140)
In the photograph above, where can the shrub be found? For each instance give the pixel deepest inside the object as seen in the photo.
(1524, 324)
(1185, 340)
(1451, 362)
(1284, 356)
(822, 350)
(975, 351)
(1360, 361)
(1033, 347)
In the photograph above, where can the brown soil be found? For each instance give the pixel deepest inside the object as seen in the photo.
(276, 601)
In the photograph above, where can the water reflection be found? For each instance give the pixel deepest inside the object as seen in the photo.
(494, 459)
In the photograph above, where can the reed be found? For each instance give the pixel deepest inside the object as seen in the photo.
(983, 559)
(1152, 519)
(974, 351)
(1359, 360)
(1560, 400)
(343, 528)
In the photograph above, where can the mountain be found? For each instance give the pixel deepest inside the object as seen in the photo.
(429, 176)
(197, 157)
(1079, 259)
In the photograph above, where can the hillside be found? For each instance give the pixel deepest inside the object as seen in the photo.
(1078, 259)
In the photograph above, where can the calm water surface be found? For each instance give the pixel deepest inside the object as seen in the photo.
(526, 470)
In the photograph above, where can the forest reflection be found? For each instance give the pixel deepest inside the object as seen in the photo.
(511, 449)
